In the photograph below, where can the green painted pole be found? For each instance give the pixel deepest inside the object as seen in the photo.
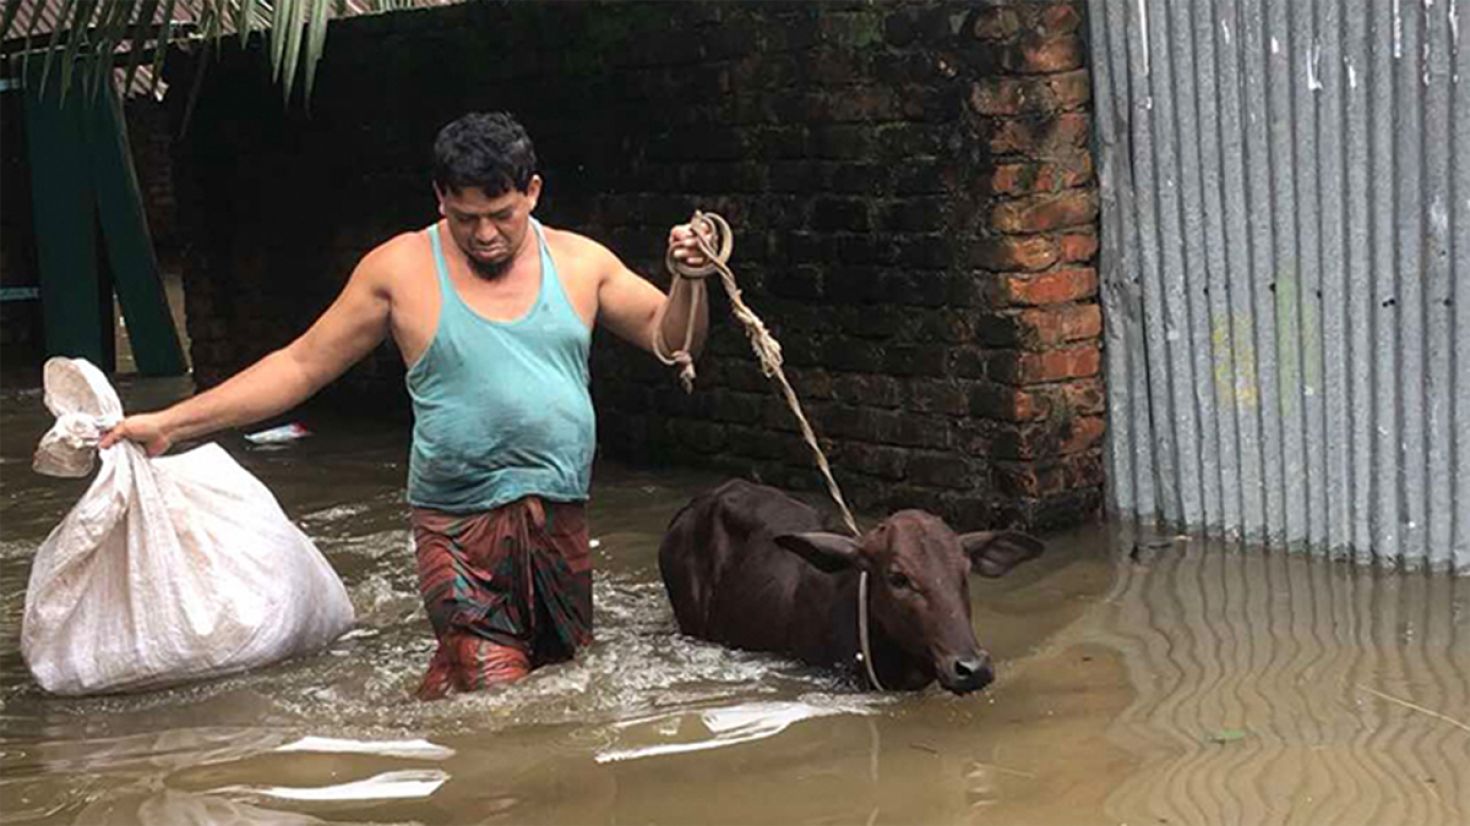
(64, 210)
(150, 325)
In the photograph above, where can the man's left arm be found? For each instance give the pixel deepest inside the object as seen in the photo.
(635, 309)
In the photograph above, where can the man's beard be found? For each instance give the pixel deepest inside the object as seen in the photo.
(489, 270)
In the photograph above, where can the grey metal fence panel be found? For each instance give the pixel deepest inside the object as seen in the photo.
(1286, 270)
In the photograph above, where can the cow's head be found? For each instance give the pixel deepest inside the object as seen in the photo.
(918, 595)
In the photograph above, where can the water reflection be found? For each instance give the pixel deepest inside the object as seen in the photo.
(184, 809)
(394, 785)
(684, 732)
(1272, 679)
(419, 749)
(1191, 684)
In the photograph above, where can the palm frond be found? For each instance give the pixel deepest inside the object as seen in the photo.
(244, 19)
(136, 39)
(54, 45)
(7, 17)
(292, 36)
(160, 48)
(94, 34)
(199, 69)
(280, 21)
(316, 41)
(111, 28)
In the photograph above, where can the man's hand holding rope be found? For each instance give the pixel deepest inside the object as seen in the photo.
(696, 249)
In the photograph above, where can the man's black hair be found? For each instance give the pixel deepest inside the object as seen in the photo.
(489, 150)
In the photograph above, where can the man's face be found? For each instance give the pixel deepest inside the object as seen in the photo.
(489, 230)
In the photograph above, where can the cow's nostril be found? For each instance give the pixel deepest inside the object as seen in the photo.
(972, 673)
(969, 668)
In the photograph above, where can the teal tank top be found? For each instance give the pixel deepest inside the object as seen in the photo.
(502, 410)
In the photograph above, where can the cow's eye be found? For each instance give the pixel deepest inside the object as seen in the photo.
(898, 580)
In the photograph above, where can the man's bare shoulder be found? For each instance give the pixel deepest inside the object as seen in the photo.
(403, 249)
(588, 256)
(393, 260)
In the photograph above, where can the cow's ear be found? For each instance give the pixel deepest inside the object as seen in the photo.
(828, 551)
(993, 553)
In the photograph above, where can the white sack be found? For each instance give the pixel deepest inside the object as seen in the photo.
(168, 569)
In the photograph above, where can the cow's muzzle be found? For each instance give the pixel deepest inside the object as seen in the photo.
(962, 675)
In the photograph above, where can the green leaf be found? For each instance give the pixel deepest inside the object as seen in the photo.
(244, 19)
(315, 44)
(1227, 735)
(85, 10)
(165, 36)
(293, 46)
(111, 27)
(200, 68)
(280, 19)
(138, 39)
(62, 18)
(25, 56)
(12, 8)
(297, 31)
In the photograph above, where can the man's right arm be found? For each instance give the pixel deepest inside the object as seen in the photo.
(355, 323)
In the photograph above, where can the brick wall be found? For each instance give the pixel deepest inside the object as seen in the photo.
(150, 139)
(1042, 383)
(909, 183)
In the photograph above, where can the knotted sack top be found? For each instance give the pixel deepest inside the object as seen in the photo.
(86, 407)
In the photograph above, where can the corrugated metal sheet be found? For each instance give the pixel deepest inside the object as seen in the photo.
(1286, 270)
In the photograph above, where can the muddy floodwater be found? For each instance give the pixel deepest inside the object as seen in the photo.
(1142, 680)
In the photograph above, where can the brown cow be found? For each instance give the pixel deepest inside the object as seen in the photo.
(750, 567)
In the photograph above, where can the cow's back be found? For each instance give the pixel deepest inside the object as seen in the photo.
(730, 583)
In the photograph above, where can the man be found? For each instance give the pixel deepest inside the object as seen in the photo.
(493, 313)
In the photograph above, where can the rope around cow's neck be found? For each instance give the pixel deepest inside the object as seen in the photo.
(768, 352)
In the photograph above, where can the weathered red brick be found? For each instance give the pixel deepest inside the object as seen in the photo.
(864, 103)
(1038, 213)
(991, 400)
(1014, 178)
(1062, 18)
(1027, 478)
(1061, 323)
(999, 329)
(1024, 367)
(1015, 252)
(1048, 477)
(996, 23)
(1049, 439)
(1077, 247)
(1039, 136)
(938, 396)
(948, 470)
(1027, 178)
(1014, 95)
(1086, 432)
(1008, 96)
(1055, 287)
(1041, 328)
(1044, 55)
(1023, 441)
(1084, 469)
(1071, 89)
(1084, 395)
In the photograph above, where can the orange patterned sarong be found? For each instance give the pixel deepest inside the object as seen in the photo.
(507, 591)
